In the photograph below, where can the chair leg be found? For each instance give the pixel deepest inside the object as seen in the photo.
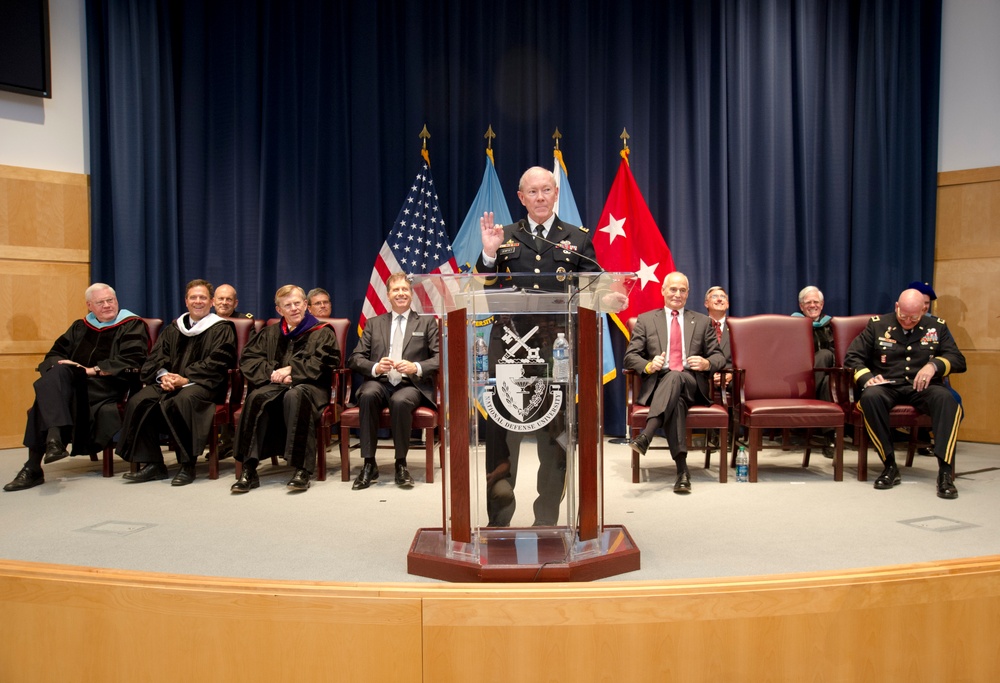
(861, 439)
(429, 446)
(213, 454)
(838, 456)
(107, 462)
(322, 437)
(756, 440)
(635, 458)
(808, 451)
(723, 458)
(345, 454)
(911, 447)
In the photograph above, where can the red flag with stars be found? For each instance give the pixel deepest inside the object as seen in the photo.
(627, 240)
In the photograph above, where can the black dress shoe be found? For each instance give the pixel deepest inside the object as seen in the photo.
(300, 482)
(54, 450)
(829, 449)
(369, 473)
(150, 471)
(403, 478)
(25, 479)
(889, 477)
(248, 480)
(640, 444)
(184, 476)
(683, 483)
(946, 485)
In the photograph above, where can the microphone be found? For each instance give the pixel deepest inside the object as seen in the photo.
(523, 225)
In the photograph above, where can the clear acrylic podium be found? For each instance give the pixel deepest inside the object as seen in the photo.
(512, 512)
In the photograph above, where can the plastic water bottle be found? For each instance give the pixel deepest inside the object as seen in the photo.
(742, 464)
(560, 359)
(481, 352)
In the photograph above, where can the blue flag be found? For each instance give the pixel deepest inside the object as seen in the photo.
(468, 242)
(567, 211)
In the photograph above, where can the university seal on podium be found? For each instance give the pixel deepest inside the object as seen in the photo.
(523, 399)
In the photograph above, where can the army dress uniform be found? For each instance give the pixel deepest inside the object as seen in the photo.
(885, 348)
(537, 265)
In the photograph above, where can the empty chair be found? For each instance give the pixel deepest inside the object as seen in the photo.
(775, 384)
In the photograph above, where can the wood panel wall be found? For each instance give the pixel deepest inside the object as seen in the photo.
(44, 270)
(922, 622)
(966, 279)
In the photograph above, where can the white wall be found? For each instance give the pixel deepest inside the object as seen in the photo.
(51, 134)
(970, 85)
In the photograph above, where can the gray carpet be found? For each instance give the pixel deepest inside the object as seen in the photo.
(791, 520)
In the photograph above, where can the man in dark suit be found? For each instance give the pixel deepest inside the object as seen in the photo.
(398, 354)
(543, 248)
(717, 305)
(676, 356)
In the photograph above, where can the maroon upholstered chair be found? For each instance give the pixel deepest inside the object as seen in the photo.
(714, 416)
(775, 386)
(225, 412)
(845, 330)
(426, 419)
(153, 326)
(339, 392)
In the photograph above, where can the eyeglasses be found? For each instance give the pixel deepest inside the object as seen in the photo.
(105, 302)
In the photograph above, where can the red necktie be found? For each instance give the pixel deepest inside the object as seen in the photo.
(718, 330)
(676, 359)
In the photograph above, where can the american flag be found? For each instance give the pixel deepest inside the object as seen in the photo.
(417, 243)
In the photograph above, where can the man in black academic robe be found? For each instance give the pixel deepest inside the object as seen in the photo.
(83, 376)
(185, 376)
(290, 368)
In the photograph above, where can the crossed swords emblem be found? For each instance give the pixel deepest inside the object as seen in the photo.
(519, 342)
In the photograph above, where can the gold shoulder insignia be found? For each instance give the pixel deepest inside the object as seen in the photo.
(248, 316)
(941, 320)
(583, 229)
(876, 318)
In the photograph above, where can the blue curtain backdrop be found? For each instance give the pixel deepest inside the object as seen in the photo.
(779, 143)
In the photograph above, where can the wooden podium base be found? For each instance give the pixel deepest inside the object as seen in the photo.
(516, 555)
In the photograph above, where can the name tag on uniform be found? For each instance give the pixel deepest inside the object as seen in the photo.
(886, 342)
(418, 334)
(508, 248)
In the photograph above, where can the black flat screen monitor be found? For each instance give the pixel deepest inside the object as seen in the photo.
(24, 47)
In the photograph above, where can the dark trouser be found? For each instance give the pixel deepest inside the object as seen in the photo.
(550, 480)
(504, 446)
(53, 408)
(674, 392)
(402, 400)
(936, 400)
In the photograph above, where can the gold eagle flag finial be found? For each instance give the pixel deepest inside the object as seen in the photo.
(425, 135)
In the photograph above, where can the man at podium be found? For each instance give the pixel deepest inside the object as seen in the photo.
(543, 249)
